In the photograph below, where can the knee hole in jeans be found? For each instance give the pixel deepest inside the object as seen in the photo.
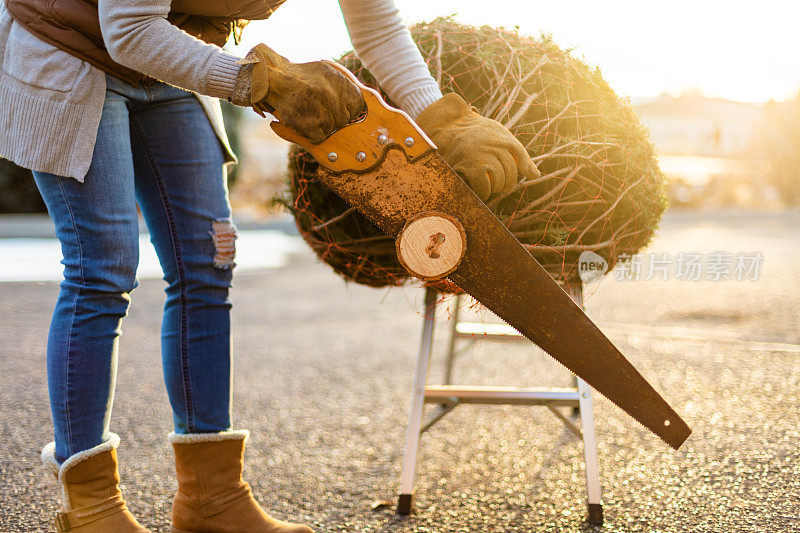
(223, 232)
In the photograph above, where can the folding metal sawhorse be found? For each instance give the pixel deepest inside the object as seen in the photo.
(449, 396)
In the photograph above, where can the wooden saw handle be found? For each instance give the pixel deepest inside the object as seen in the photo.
(361, 145)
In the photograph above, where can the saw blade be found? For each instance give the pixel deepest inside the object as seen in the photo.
(499, 273)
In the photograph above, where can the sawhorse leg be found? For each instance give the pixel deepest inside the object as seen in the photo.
(594, 500)
(406, 499)
(451, 351)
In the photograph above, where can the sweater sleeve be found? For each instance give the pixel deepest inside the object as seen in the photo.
(138, 35)
(384, 46)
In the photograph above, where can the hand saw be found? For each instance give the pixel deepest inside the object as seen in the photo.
(389, 170)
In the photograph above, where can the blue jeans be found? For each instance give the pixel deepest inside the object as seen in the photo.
(155, 147)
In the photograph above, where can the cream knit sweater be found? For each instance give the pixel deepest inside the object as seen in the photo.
(51, 102)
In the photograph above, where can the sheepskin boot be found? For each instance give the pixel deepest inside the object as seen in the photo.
(92, 502)
(212, 497)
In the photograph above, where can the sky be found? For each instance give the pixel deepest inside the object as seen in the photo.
(746, 51)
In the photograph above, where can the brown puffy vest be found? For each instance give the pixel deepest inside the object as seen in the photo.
(74, 26)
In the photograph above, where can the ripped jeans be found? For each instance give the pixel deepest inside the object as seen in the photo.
(155, 147)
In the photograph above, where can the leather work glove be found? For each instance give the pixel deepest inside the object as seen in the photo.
(481, 150)
(313, 98)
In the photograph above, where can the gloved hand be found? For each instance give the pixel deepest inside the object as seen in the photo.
(313, 98)
(483, 152)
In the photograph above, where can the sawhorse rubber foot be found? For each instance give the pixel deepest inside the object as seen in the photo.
(595, 513)
(405, 504)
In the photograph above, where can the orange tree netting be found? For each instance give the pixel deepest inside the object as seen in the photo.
(600, 190)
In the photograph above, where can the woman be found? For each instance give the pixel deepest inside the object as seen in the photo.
(80, 105)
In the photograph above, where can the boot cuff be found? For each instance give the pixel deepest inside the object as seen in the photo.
(194, 438)
(49, 455)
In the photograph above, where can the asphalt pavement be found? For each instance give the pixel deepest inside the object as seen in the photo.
(323, 378)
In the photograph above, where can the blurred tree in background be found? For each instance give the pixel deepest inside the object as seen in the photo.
(232, 116)
(18, 192)
(780, 147)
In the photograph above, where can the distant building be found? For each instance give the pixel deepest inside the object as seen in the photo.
(708, 149)
(700, 126)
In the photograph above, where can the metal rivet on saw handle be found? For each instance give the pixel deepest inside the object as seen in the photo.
(409, 141)
(360, 156)
(333, 156)
(383, 139)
